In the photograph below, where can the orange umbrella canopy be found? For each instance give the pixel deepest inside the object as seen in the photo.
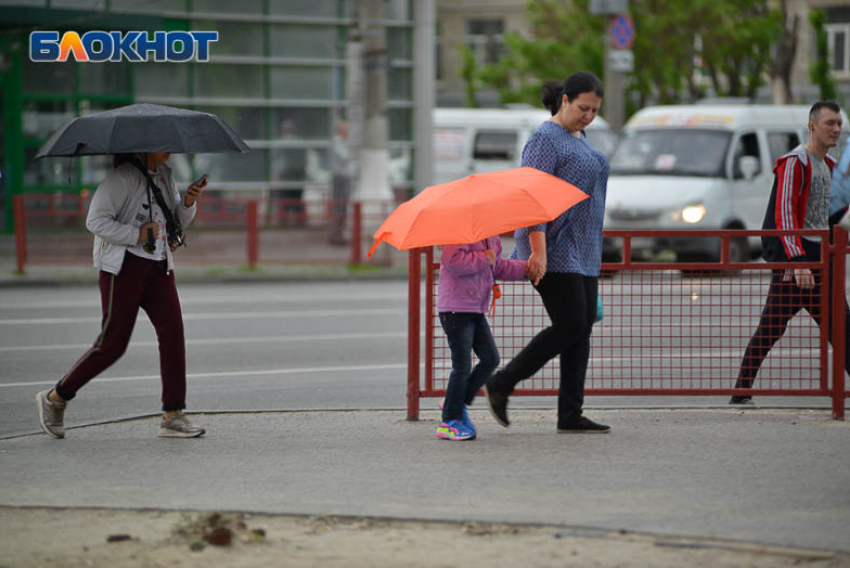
(476, 207)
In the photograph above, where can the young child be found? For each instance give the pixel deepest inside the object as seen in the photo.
(467, 279)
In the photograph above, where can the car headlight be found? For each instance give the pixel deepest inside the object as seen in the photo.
(693, 213)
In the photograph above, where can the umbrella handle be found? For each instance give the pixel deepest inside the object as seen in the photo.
(378, 241)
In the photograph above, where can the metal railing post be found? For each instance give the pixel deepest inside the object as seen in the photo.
(253, 233)
(20, 216)
(429, 319)
(356, 233)
(414, 309)
(838, 302)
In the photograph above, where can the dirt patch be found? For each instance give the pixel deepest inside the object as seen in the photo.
(37, 537)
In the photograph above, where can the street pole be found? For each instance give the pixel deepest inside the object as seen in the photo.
(619, 60)
(373, 184)
(614, 103)
(424, 78)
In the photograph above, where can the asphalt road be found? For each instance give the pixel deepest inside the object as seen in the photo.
(777, 476)
(310, 346)
(249, 347)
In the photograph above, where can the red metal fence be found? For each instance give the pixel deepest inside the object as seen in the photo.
(669, 328)
(50, 229)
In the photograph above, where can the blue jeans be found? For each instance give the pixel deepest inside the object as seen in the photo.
(467, 332)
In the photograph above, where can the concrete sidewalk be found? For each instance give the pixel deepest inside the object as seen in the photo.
(769, 476)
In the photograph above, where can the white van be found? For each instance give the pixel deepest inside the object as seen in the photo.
(704, 167)
(470, 140)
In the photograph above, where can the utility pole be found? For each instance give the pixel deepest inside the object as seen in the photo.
(619, 60)
(373, 184)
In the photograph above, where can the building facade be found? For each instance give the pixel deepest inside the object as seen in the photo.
(277, 75)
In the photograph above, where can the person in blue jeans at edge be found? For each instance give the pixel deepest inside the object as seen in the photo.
(564, 255)
(467, 278)
(839, 196)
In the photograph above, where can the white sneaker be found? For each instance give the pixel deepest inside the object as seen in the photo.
(51, 415)
(178, 426)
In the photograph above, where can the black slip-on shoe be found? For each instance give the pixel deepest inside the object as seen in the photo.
(582, 425)
(498, 405)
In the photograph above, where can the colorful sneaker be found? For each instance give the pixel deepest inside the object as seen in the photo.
(454, 430)
(178, 426)
(466, 419)
(51, 415)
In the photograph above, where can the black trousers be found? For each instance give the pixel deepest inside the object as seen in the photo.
(570, 301)
(784, 301)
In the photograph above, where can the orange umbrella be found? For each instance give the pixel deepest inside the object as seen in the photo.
(476, 207)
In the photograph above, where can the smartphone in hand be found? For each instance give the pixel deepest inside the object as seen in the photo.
(201, 181)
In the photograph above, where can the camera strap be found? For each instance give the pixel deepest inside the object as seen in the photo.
(173, 228)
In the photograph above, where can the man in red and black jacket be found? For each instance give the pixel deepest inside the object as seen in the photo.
(799, 200)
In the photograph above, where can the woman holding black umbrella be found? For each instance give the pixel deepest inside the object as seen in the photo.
(137, 216)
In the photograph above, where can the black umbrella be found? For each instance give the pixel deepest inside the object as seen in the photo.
(143, 128)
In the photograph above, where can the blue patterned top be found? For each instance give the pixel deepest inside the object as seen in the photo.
(573, 239)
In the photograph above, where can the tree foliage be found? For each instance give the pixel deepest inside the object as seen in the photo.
(681, 49)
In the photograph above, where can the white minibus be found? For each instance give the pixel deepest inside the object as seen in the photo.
(699, 167)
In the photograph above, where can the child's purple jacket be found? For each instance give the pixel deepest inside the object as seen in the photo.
(466, 277)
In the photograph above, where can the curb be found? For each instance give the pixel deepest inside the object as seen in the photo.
(211, 274)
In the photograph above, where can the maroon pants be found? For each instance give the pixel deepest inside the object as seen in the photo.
(144, 284)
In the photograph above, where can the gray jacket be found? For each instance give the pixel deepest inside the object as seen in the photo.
(112, 214)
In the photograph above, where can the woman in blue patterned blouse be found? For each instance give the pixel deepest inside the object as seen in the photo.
(563, 255)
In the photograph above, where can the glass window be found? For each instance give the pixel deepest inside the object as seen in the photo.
(399, 44)
(316, 8)
(300, 164)
(158, 7)
(485, 26)
(228, 80)
(400, 167)
(105, 78)
(232, 167)
(670, 151)
(2, 158)
(310, 83)
(495, 145)
(484, 37)
(161, 79)
(302, 123)
(838, 51)
(780, 143)
(46, 171)
(85, 4)
(400, 124)
(89, 107)
(340, 87)
(304, 40)
(400, 84)
(248, 122)
(54, 78)
(95, 169)
(397, 10)
(234, 38)
(747, 145)
(41, 119)
(228, 6)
